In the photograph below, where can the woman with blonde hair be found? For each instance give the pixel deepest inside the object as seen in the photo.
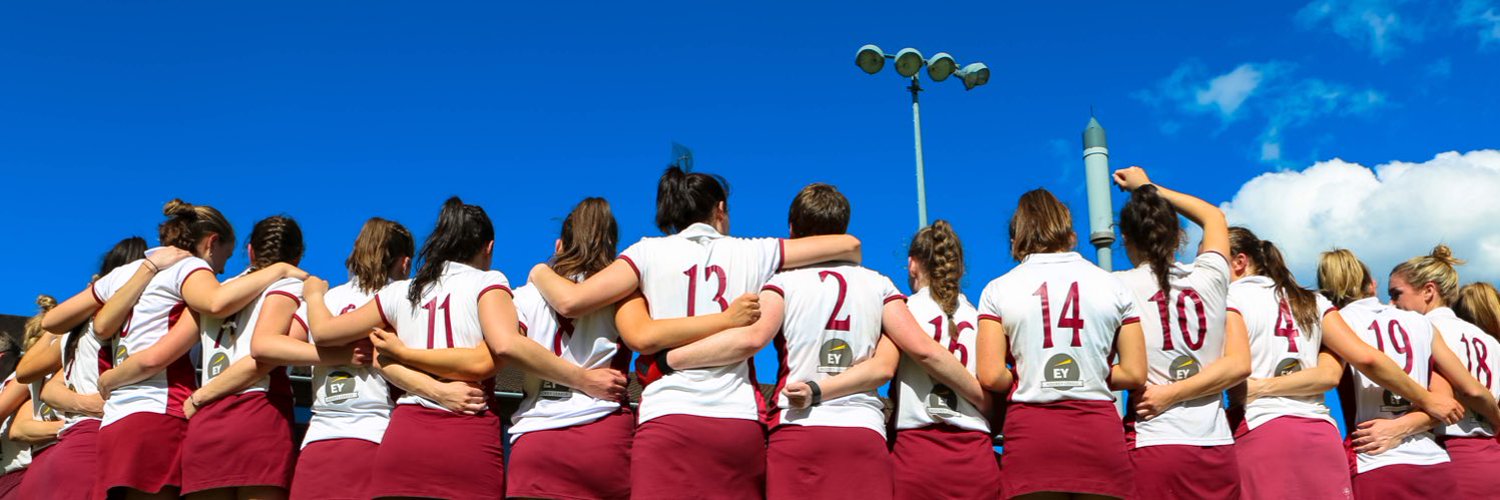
(1396, 455)
(1429, 284)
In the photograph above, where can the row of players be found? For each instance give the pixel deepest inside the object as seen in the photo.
(1056, 334)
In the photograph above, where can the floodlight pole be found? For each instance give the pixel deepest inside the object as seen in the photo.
(916, 123)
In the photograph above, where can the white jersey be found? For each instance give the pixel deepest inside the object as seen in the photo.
(1407, 338)
(1480, 354)
(699, 271)
(82, 366)
(590, 342)
(41, 410)
(922, 401)
(1061, 314)
(447, 315)
(14, 455)
(832, 321)
(226, 341)
(159, 307)
(349, 402)
(1278, 346)
(1184, 332)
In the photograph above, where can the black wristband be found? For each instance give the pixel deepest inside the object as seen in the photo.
(817, 393)
(661, 363)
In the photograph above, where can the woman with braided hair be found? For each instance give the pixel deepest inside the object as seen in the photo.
(1180, 440)
(942, 446)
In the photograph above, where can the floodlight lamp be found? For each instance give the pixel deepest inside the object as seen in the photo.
(940, 66)
(870, 59)
(908, 62)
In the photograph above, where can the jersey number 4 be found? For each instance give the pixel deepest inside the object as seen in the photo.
(1069, 318)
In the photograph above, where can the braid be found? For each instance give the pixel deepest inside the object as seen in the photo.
(1149, 224)
(276, 239)
(940, 253)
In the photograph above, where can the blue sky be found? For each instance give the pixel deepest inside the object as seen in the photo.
(333, 112)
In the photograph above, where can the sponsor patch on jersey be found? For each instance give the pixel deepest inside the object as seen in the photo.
(942, 401)
(217, 364)
(1183, 367)
(1393, 402)
(340, 386)
(121, 354)
(835, 356)
(1288, 366)
(47, 412)
(1062, 372)
(553, 391)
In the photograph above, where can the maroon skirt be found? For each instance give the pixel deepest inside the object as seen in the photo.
(941, 461)
(1292, 457)
(583, 461)
(1407, 482)
(240, 440)
(142, 452)
(10, 484)
(1474, 463)
(687, 456)
(1185, 472)
(68, 470)
(335, 469)
(439, 454)
(1067, 446)
(847, 463)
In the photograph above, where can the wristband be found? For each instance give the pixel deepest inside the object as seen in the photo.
(661, 363)
(153, 267)
(817, 393)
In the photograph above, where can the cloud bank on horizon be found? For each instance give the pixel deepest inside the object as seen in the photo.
(1385, 214)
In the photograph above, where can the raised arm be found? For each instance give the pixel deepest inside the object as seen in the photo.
(1202, 213)
(1464, 386)
(57, 395)
(329, 330)
(902, 328)
(114, 312)
(71, 313)
(1230, 370)
(865, 376)
(733, 345)
(574, 300)
(1379, 367)
(645, 335)
(142, 365)
(278, 340)
(991, 347)
(811, 250)
(497, 317)
(45, 356)
(1129, 373)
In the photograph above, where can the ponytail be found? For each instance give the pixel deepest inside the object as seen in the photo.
(589, 237)
(34, 330)
(1149, 224)
(1267, 260)
(124, 252)
(276, 239)
(462, 232)
(380, 246)
(937, 249)
(186, 225)
(1479, 303)
(683, 198)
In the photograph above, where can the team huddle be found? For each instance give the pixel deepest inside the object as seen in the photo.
(158, 380)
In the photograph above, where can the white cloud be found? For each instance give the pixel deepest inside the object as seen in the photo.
(1268, 92)
(1386, 215)
(1375, 25)
(1481, 14)
(1228, 91)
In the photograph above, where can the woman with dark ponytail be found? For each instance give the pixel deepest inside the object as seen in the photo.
(452, 320)
(69, 472)
(1289, 326)
(694, 271)
(1181, 443)
(942, 446)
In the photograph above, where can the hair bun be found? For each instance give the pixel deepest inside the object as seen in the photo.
(1443, 254)
(177, 207)
(45, 302)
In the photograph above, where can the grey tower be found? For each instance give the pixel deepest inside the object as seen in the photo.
(1097, 179)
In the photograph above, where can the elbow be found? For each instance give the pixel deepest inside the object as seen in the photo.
(643, 344)
(1130, 381)
(568, 308)
(1240, 370)
(853, 248)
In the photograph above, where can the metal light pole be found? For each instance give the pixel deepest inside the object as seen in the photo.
(908, 61)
